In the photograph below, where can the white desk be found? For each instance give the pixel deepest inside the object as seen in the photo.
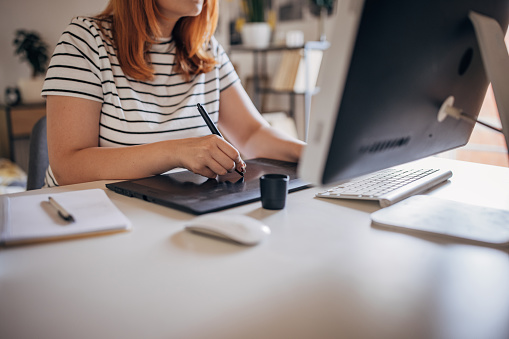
(323, 273)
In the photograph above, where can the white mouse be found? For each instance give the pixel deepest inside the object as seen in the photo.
(239, 228)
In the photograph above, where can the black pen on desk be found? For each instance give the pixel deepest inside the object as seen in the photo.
(61, 211)
(211, 125)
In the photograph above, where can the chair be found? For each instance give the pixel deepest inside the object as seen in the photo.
(38, 157)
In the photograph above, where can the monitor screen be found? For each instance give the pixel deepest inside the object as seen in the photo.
(390, 68)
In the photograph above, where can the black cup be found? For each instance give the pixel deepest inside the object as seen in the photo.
(274, 189)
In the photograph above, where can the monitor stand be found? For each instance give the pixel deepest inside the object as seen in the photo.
(447, 218)
(490, 38)
(495, 58)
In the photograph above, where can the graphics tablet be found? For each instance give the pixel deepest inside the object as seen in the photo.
(196, 194)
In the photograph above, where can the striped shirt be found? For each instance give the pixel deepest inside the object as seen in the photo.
(134, 112)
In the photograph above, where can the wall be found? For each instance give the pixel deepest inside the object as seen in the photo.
(48, 17)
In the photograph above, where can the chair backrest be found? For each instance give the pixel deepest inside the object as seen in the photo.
(38, 157)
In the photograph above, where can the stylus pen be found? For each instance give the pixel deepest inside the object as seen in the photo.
(61, 211)
(211, 125)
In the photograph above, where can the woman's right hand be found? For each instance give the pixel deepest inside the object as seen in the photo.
(209, 156)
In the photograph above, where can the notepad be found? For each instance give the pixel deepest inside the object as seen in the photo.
(31, 218)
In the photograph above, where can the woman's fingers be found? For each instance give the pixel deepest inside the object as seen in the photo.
(210, 156)
(241, 167)
(231, 154)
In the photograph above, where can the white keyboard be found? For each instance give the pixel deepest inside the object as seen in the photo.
(388, 186)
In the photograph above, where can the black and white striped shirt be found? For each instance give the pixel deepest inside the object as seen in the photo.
(134, 112)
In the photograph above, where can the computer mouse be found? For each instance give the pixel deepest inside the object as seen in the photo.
(237, 227)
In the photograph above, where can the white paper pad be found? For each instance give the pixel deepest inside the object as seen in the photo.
(29, 218)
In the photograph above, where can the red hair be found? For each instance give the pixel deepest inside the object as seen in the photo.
(135, 28)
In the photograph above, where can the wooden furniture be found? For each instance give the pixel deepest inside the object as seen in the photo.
(260, 71)
(16, 123)
(324, 272)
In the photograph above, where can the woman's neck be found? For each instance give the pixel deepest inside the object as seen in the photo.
(166, 26)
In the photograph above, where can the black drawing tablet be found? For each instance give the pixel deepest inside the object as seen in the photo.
(196, 194)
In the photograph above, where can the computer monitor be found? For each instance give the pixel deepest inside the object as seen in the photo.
(389, 70)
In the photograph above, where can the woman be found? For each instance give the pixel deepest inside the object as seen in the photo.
(122, 90)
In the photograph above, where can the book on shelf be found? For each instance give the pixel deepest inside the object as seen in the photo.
(291, 74)
(314, 60)
(285, 75)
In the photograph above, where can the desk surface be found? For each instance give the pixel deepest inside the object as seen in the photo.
(323, 273)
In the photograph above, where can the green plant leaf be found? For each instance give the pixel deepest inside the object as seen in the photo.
(30, 47)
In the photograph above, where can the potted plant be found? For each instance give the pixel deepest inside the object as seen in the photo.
(31, 48)
(256, 31)
(322, 8)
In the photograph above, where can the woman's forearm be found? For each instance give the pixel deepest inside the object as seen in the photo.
(208, 156)
(268, 142)
(103, 163)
